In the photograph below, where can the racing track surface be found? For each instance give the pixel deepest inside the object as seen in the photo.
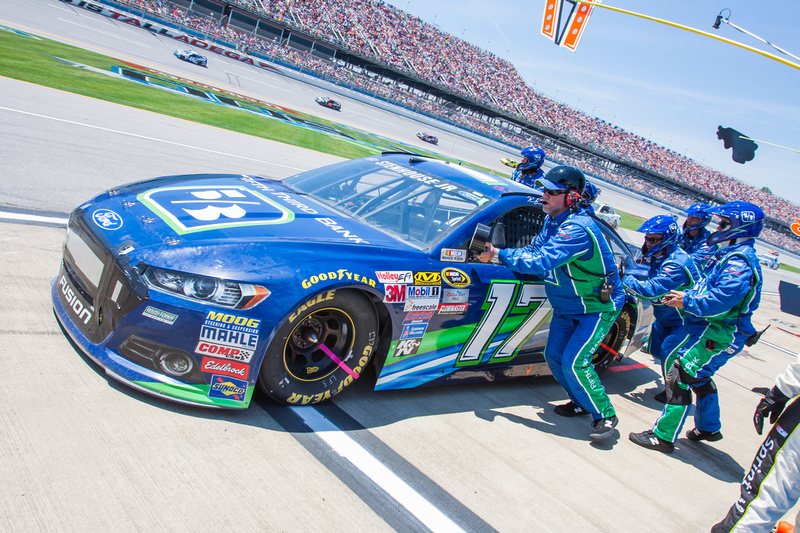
(79, 452)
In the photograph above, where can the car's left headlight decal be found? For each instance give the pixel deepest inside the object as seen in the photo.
(232, 294)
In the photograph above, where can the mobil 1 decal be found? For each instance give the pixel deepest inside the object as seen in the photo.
(512, 313)
(227, 336)
(207, 207)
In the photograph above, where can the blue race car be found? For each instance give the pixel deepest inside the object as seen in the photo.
(191, 56)
(200, 288)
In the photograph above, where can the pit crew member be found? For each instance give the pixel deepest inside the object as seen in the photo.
(530, 168)
(694, 238)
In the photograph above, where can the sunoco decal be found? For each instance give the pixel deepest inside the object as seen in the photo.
(209, 207)
(227, 388)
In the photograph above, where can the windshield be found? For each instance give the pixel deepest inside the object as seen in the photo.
(412, 206)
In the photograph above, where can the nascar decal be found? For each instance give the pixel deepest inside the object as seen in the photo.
(337, 275)
(228, 368)
(455, 277)
(453, 255)
(427, 278)
(514, 312)
(208, 207)
(228, 336)
(404, 276)
(227, 388)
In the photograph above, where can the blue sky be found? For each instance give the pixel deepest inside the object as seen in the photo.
(669, 85)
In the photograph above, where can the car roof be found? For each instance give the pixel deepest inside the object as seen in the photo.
(487, 184)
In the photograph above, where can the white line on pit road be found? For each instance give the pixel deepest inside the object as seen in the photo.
(398, 489)
(149, 138)
(33, 218)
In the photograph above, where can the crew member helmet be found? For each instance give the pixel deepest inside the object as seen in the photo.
(659, 225)
(698, 211)
(535, 159)
(746, 220)
(590, 194)
(563, 177)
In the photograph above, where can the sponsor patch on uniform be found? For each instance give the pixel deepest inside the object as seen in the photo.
(158, 314)
(406, 347)
(455, 277)
(413, 331)
(453, 255)
(395, 276)
(425, 304)
(227, 388)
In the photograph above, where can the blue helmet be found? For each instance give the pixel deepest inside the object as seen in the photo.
(590, 193)
(747, 220)
(700, 211)
(535, 157)
(660, 225)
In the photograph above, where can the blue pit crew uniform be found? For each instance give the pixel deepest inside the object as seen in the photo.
(674, 271)
(527, 179)
(772, 485)
(697, 247)
(574, 258)
(717, 319)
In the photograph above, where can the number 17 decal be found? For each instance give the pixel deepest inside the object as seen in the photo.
(506, 305)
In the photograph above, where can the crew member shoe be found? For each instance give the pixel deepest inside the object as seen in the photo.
(648, 439)
(697, 435)
(602, 428)
(570, 409)
(661, 397)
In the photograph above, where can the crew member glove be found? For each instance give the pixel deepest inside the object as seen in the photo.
(772, 404)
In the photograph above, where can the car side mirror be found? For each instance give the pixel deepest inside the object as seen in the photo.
(498, 238)
(479, 239)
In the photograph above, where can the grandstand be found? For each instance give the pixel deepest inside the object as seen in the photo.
(373, 47)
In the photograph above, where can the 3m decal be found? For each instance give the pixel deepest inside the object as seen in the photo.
(394, 294)
(203, 208)
(227, 368)
(405, 276)
(406, 347)
(227, 388)
(337, 275)
(427, 278)
(158, 314)
(453, 255)
(107, 219)
(504, 301)
(455, 277)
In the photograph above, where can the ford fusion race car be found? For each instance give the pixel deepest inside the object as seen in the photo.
(427, 138)
(191, 56)
(199, 288)
(328, 102)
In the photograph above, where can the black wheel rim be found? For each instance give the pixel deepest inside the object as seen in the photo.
(303, 356)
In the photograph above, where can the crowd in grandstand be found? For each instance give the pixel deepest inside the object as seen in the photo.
(397, 39)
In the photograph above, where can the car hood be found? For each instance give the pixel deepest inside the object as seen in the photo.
(204, 223)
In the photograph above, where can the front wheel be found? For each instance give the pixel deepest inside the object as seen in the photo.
(612, 343)
(323, 347)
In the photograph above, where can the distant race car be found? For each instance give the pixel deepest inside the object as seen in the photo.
(191, 56)
(509, 162)
(324, 101)
(770, 259)
(427, 138)
(607, 214)
(200, 288)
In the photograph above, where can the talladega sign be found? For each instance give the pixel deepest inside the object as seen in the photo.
(163, 30)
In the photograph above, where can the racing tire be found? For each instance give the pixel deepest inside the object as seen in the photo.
(322, 347)
(612, 343)
(774, 266)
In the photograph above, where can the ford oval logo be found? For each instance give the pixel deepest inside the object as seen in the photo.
(107, 219)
